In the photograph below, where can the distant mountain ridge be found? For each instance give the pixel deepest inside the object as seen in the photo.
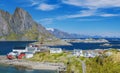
(62, 34)
(21, 26)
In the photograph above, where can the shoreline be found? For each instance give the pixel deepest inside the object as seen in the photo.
(30, 64)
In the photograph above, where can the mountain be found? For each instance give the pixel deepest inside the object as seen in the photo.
(21, 26)
(58, 33)
(62, 34)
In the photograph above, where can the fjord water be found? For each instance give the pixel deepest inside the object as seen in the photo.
(11, 69)
(7, 46)
(115, 42)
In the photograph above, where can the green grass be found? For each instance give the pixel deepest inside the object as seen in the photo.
(104, 64)
(70, 61)
(12, 36)
(100, 64)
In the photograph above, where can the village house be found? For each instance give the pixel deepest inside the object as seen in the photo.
(89, 54)
(78, 52)
(56, 50)
(108, 53)
(29, 51)
(32, 49)
(92, 53)
(85, 53)
(19, 49)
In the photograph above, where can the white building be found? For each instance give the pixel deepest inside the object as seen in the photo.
(78, 52)
(28, 55)
(56, 50)
(90, 54)
(29, 51)
(108, 53)
(19, 49)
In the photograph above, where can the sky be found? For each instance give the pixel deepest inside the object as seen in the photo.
(90, 17)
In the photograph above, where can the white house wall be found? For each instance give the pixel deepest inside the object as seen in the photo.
(19, 51)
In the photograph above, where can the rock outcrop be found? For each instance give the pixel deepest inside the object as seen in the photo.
(21, 26)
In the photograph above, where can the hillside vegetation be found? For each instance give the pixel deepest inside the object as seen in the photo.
(100, 64)
(70, 62)
(104, 64)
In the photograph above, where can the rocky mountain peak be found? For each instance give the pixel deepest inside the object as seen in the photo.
(19, 12)
(20, 26)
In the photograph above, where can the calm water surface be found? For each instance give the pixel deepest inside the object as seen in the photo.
(7, 46)
(11, 69)
(86, 46)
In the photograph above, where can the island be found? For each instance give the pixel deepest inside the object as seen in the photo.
(89, 40)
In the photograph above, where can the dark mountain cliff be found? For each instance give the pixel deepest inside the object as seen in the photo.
(21, 26)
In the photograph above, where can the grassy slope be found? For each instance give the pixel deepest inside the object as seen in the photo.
(101, 64)
(104, 64)
(71, 62)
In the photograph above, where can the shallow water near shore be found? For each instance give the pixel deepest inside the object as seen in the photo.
(11, 69)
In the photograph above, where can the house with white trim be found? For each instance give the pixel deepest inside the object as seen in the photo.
(56, 50)
(91, 54)
(19, 49)
(78, 52)
(29, 51)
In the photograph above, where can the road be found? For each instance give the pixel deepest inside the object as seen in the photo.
(83, 65)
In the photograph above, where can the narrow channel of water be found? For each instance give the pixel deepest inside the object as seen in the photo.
(11, 69)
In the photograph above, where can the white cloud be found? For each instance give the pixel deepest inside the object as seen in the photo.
(42, 5)
(87, 14)
(93, 3)
(47, 7)
(93, 7)
(109, 15)
(84, 13)
(89, 19)
(73, 2)
(33, 2)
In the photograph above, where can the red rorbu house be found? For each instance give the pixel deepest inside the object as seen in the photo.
(17, 52)
(22, 52)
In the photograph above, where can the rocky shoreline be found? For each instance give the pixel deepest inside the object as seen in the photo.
(87, 40)
(30, 64)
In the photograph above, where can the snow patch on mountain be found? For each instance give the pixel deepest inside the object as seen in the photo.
(50, 29)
